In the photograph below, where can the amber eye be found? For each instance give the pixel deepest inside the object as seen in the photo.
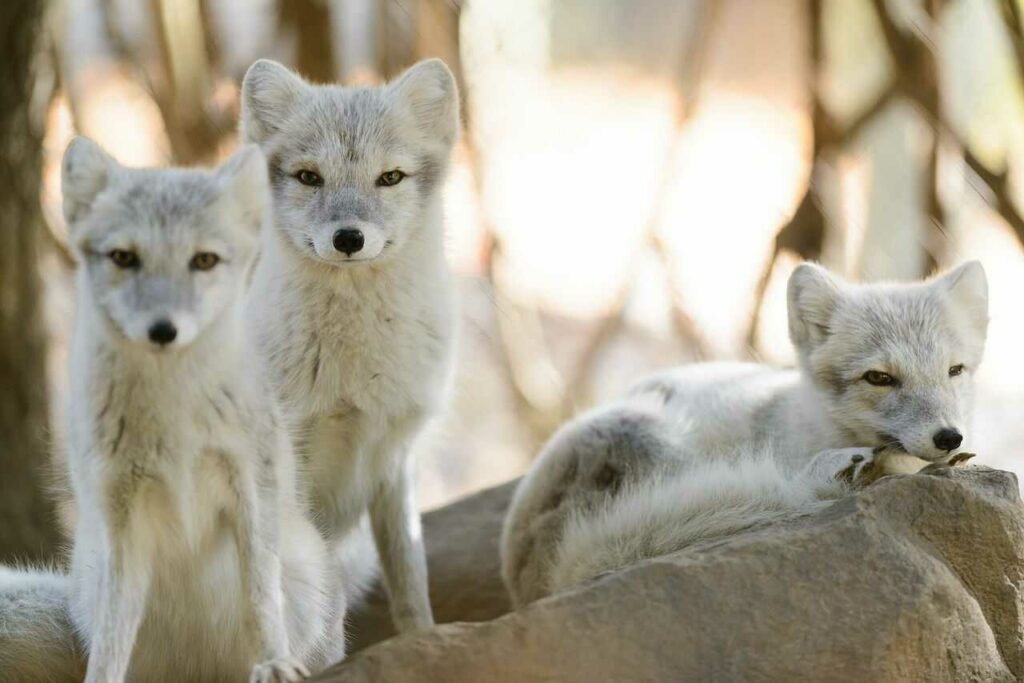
(204, 260)
(123, 258)
(307, 177)
(957, 370)
(389, 178)
(880, 379)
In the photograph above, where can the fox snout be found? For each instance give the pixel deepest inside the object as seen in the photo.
(349, 240)
(935, 443)
(162, 332)
(948, 439)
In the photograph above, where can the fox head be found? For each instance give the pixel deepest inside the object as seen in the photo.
(895, 361)
(353, 170)
(162, 253)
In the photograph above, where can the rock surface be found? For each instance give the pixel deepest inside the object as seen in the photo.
(915, 578)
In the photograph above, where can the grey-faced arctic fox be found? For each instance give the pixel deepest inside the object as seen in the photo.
(352, 303)
(709, 450)
(192, 557)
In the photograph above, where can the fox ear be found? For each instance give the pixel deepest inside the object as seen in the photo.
(243, 178)
(812, 295)
(429, 91)
(85, 172)
(967, 288)
(269, 93)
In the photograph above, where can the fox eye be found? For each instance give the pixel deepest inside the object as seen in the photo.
(307, 177)
(123, 258)
(880, 379)
(204, 260)
(389, 178)
(956, 370)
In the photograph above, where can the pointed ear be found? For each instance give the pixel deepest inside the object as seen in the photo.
(85, 172)
(269, 93)
(429, 92)
(967, 289)
(813, 295)
(243, 178)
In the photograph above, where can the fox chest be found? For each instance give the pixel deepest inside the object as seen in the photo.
(343, 353)
(180, 467)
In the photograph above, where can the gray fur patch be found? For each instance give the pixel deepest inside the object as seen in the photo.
(116, 442)
(316, 362)
(832, 379)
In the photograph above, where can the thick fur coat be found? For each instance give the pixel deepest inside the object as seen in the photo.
(191, 552)
(352, 304)
(709, 450)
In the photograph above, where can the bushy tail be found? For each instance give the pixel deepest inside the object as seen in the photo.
(711, 501)
(38, 643)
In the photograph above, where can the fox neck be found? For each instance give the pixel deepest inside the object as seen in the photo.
(811, 417)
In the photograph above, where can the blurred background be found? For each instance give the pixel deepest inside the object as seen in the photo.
(636, 180)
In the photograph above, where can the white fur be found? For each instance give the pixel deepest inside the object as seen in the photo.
(708, 450)
(708, 502)
(37, 639)
(191, 552)
(359, 344)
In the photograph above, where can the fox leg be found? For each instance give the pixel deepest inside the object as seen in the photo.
(125, 565)
(124, 590)
(256, 531)
(395, 521)
(862, 466)
(841, 464)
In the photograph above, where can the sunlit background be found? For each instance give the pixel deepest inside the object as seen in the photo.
(636, 180)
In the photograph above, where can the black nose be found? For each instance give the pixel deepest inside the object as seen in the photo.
(947, 439)
(348, 240)
(162, 332)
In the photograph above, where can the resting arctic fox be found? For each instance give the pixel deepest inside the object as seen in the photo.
(351, 301)
(192, 558)
(884, 385)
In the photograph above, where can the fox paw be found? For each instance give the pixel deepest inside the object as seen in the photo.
(865, 466)
(945, 469)
(282, 670)
(960, 459)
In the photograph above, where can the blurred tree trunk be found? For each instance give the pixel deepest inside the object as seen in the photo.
(27, 522)
(396, 38)
(192, 124)
(309, 21)
(437, 33)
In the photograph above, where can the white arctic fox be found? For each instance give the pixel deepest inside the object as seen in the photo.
(352, 302)
(192, 557)
(708, 450)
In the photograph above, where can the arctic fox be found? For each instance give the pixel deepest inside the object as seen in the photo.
(192, 556)
(351, 301)
(705, 451)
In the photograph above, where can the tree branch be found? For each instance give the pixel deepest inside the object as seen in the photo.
(1010, 12)
(998, 185)
(904, 43)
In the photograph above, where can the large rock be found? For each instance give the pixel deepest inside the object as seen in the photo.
(915, 578)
